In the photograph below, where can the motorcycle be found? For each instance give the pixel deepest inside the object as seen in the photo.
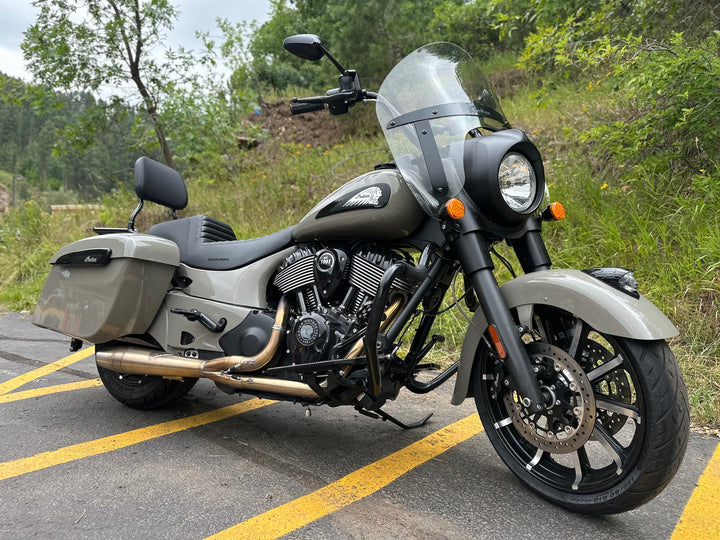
(570, 370)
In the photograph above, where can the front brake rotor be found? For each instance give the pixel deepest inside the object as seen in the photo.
(566, 425)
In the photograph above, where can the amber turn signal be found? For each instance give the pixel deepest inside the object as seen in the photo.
(554, 212)
(455, 208)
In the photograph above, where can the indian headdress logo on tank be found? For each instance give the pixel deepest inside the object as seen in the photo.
(367, 197)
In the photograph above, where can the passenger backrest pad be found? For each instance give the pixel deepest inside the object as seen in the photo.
(160, 184)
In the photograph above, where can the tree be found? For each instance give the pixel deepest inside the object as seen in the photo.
(90, 45)
(369, 36)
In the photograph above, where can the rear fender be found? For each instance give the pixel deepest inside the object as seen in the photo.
(604, 308)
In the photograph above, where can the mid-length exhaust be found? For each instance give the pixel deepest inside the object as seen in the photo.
(225, 370)
(146, 362)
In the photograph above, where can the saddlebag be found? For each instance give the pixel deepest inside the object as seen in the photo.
(105, 287)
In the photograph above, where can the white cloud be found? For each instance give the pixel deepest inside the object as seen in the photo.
(13, 63)
(17, 16)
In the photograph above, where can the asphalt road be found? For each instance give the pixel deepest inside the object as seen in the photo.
(74, 463)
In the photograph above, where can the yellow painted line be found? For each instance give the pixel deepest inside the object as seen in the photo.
(47, 390)
(701, 517)
(17, 382)
(11, 469)
(353, 487)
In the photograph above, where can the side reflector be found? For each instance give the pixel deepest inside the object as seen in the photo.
(455, 208)
(496, 341)
(554, 212)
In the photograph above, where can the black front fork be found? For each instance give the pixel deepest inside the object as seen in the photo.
(474, 255)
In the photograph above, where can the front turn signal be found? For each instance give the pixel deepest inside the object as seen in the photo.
(455, 208)
(554, 212)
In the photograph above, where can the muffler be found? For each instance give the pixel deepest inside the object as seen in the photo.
(141, 361)
(145, 362)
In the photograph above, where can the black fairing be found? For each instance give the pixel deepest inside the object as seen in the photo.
(482, 157)
(160, 184)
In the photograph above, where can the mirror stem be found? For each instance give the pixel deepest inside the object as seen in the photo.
(337, 64)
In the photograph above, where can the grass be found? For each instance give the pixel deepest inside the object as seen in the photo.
(663, 226)
(5, 177)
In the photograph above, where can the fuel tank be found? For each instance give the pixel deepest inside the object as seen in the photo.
(377, 205)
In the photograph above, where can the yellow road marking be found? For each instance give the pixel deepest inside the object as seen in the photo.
(11, 469)
(17, 382)
(28, 394)
(701, 517)
(353, 487)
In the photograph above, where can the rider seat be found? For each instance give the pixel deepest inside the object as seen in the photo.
(204, 242)
(210, 244)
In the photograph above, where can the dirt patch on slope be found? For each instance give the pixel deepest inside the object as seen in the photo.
(506, 82)
(312, 128)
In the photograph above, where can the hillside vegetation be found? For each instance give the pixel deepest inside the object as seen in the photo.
(621, 98)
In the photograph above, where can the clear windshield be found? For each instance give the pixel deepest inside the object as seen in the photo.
(427, 105)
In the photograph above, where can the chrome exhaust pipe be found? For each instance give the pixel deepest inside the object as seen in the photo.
(264, 384)
(146, 362)
(244, 364)
(140, 361)
(131, 359)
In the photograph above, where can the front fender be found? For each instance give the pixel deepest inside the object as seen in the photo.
(604, 308)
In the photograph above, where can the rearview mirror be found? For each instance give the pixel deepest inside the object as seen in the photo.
(307, 46)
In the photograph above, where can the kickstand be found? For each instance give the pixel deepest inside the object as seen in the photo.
(382, 415)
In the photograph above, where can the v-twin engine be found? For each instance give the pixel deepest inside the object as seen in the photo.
(334, 288)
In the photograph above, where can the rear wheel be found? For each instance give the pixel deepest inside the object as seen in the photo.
(618, 426)
(144, 392)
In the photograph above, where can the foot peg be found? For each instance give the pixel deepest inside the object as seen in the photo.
(207, 322)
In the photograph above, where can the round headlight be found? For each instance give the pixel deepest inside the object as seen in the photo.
(518, 184)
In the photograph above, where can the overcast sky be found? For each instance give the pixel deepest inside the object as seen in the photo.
(17, 15)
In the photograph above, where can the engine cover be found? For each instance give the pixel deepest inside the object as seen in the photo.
(330, 271)
(314, 335)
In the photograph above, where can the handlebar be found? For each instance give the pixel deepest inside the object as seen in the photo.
(302, 108)
(338, 101)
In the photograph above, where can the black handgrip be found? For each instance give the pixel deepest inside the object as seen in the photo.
(302, 108)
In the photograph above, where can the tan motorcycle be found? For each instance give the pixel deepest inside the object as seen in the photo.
(573, 379)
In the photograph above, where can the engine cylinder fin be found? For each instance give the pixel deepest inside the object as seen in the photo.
(366, 276)
(309, 294)
(358, 302)
(297, 275)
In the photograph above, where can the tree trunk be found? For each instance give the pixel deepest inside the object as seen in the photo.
(133, 60)
(151, 110)
(160, 134)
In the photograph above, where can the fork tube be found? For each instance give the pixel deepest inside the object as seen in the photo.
(530, 248)
(477, 264)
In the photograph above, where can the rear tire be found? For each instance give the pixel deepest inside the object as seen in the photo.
(619, 427)
(144, 392)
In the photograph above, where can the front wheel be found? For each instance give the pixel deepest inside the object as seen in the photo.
(618, 425)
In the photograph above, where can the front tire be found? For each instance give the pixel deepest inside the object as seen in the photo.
(618, 427)
(144, 392)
